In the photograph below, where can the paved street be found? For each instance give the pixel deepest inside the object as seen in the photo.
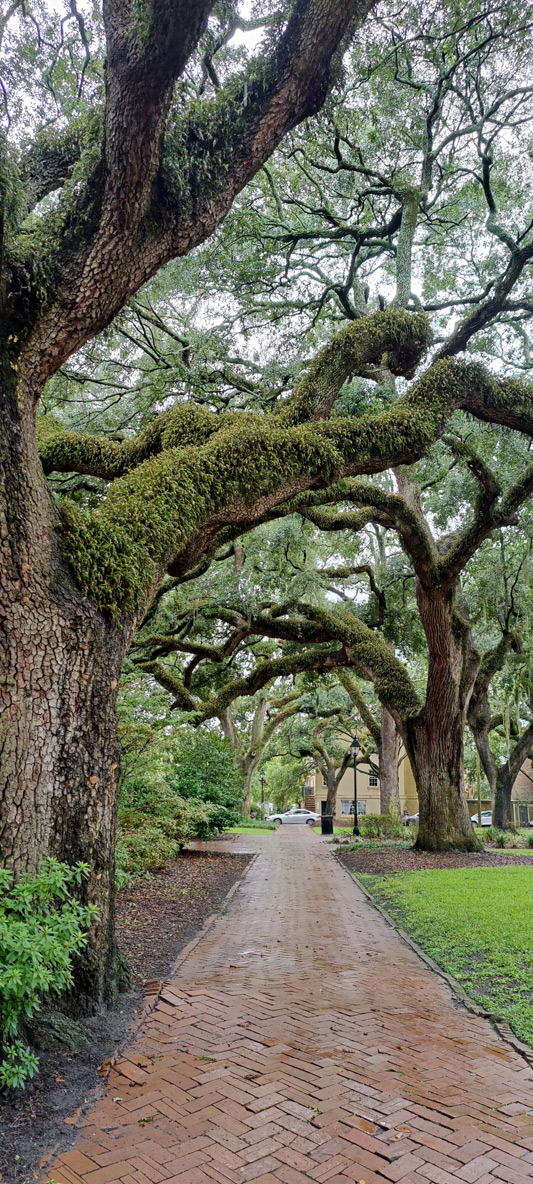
(300, 1041)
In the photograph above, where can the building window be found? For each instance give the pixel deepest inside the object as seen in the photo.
(373, 779)
(347, 806)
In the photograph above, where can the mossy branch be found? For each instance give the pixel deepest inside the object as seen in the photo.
(393, 338)
(363, 709)
(170, 682)
(371, 657)
(268, 670)
(163, 514)
(64, 451)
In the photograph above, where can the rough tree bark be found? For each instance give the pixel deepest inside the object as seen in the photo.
(434, 741)
(60, 664)
(389, 791)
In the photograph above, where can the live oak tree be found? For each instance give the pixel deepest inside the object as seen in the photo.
(500, 713)
(97, 194)
(385, 737)
(201, 639)
(268, 712)
(90, 211)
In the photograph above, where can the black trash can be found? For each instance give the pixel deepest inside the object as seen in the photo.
(326, 822)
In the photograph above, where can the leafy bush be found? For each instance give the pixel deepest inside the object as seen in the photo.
(148, 837)
(203, 767)
(530, 840)
(41, 927)
(377, 826)
(500, 840)
(370, 825)
(219, 818)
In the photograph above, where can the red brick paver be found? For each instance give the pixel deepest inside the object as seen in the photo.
(302, 1041)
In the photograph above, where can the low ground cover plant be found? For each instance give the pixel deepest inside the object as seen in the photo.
(452, 914)
(42, 926)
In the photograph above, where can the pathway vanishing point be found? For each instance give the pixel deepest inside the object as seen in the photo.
(302, 1040)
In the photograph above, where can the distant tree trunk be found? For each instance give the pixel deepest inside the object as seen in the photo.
(502, 816)
(501, 779)
(389, 794)
(434, 739)
(247, 798)
(331, 786)
(60, 666)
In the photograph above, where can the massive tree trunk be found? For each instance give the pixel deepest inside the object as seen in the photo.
(60, 664)
(436, 756)
(389, 794)
(434, 737)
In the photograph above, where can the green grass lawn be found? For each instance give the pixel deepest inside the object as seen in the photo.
(250, 830)
(477, 923)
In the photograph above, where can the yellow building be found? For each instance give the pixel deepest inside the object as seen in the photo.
(368, 795)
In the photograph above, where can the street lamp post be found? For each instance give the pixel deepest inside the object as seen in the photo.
(262, 777)
(355, 749)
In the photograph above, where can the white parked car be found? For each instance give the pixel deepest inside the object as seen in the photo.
(293, 816)
(486, 818)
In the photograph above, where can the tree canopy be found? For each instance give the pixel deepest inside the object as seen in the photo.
(236, 279)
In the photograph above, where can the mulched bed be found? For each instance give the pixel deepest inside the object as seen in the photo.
(386, 862)
(178, 900)
(155, 920)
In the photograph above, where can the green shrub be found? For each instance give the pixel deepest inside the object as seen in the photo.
(41, 927)
(148, 837)
(219, 818)
(501, 839)
(530, 840)
(377, 826)
(371, 825)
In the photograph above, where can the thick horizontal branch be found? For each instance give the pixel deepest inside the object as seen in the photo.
(65, 451)
(164, 514)
(268, 670)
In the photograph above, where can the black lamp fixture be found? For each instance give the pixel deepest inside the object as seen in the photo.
(355, 746)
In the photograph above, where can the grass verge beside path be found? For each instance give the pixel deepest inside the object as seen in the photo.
(477, 924)
(250, 830)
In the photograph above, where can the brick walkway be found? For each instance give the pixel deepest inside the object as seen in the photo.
(302, 1044)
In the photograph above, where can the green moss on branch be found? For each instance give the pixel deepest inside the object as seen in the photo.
(120, 552)
(393, 339)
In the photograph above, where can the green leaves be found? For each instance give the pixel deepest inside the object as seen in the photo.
(42, 926)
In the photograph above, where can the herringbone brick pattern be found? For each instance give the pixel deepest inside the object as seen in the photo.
(300, 1045)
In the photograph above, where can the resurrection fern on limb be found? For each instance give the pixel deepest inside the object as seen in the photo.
(175, 502)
